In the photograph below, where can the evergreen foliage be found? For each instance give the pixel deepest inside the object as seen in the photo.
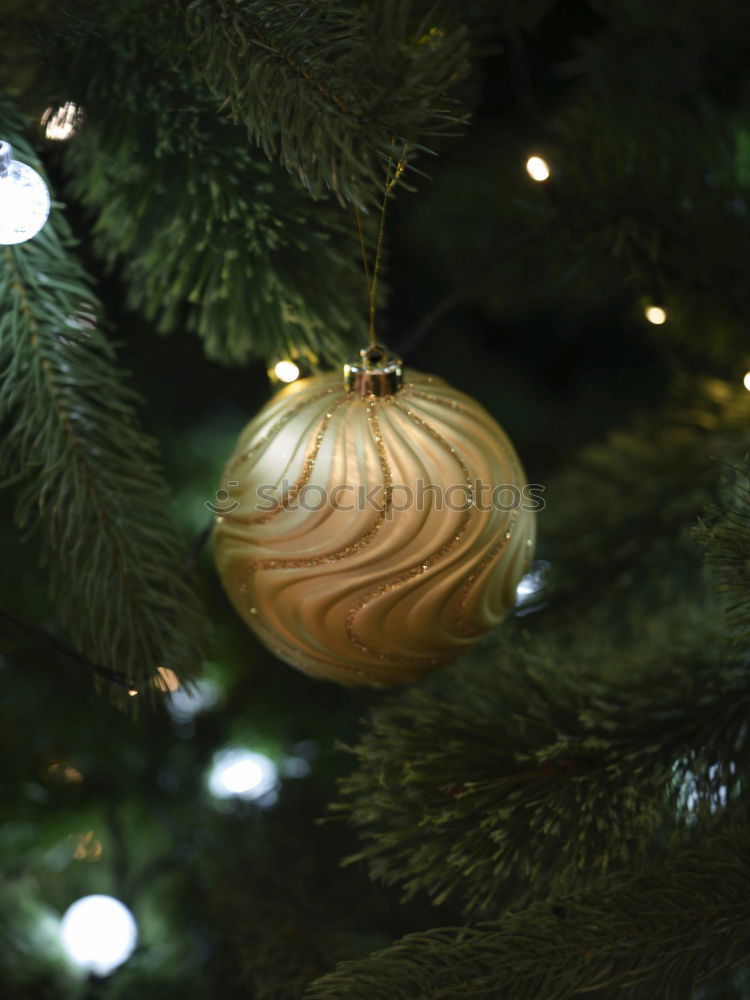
(86, 473)
(637, 496)
(491, 790)
(566, 809)
(661, 934)
(211, 235)
(328, 87)
(648, 146)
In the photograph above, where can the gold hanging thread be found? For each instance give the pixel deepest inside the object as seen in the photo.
(392, 177)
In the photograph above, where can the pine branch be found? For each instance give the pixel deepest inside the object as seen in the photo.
(212, 237)
(537, 775)
(661, 934)
(86, 474)
(637, 496)
(327, 86)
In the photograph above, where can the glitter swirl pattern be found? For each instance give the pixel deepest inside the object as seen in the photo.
(382, 593)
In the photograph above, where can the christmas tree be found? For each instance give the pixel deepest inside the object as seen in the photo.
(559, 813)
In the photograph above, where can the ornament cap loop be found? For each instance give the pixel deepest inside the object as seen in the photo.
(378, 373)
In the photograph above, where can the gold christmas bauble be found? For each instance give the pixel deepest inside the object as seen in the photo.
(371, 529)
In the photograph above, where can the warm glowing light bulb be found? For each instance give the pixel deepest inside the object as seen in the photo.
(746, 381)
(655, 315)
(286, 371)
(166, 679)
(63, 122)
(240, 773)
(24, 199)
(98, 933)
(537, 168)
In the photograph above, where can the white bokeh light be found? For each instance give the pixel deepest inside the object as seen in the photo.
(296, 767)
(711, 788)
(530, 590)
(243, 774)
(98, 933)
(185, 703)
(746, 381)
(24, 199)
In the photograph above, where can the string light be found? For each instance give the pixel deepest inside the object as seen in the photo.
(63, 122)
(286, 371)
(66, 771)
(24, 199)
(746, 381)
(537, 168)
(166, 679)
(655, 315)
(98, 933)
(242, 774)
(87, 847)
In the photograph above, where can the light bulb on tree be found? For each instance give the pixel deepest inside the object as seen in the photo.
(24, 199)
(655, 315)
(537, 168)
(530, 590)
(61, 123)
(166, 680)
(746, 381)
(242, 774)
(98, 933)
(532, 582)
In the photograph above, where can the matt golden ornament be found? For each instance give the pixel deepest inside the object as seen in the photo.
(374, 528)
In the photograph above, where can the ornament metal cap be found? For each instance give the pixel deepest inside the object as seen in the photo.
(378, 373)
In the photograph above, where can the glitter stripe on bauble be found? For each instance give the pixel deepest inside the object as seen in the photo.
(378, 594)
